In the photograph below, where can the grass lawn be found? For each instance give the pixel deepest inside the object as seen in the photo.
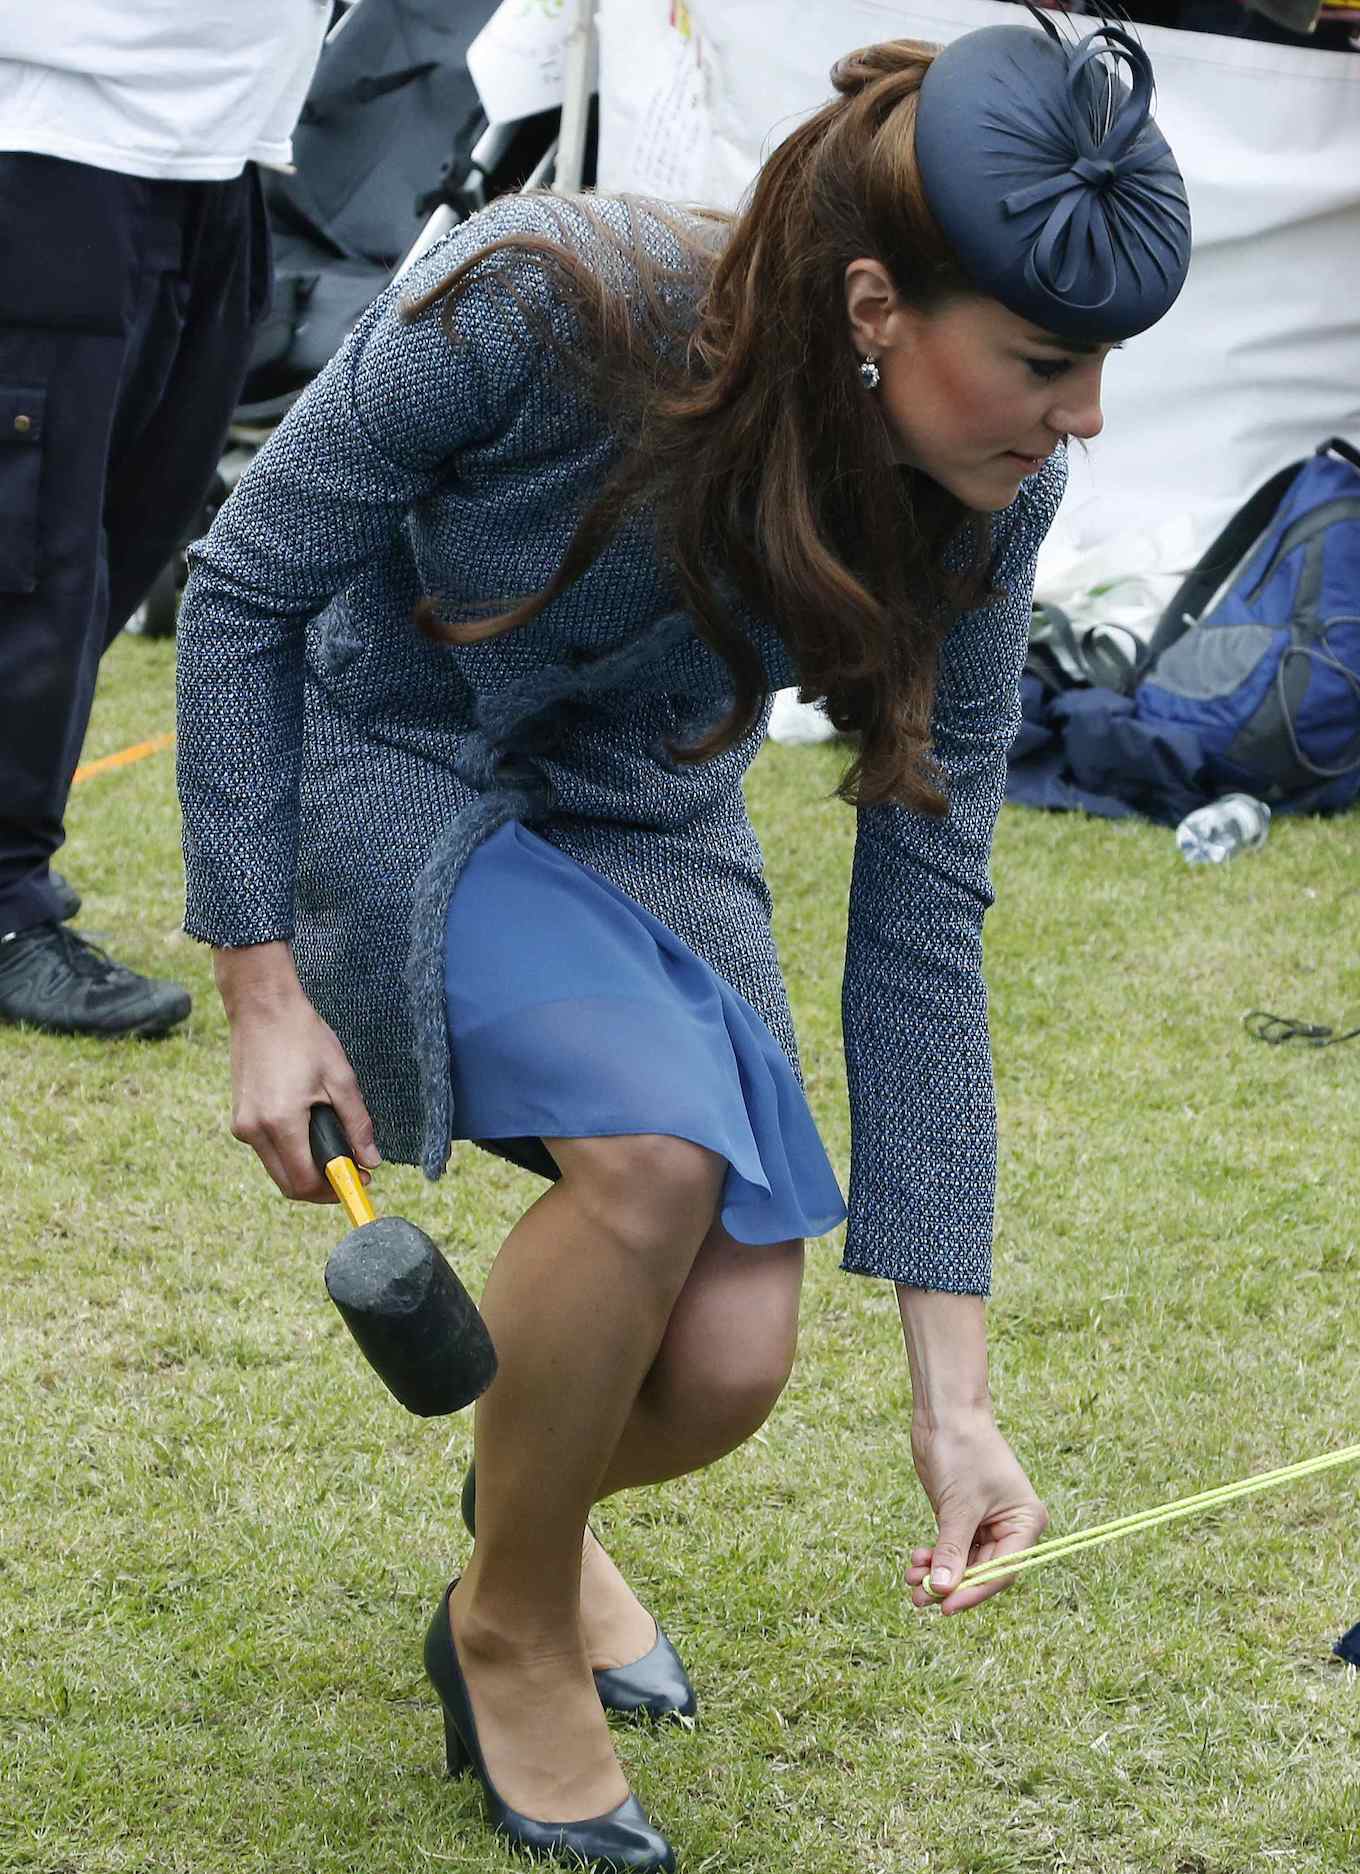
(222, 1540)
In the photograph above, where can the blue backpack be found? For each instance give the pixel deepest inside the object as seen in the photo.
(1268, 678)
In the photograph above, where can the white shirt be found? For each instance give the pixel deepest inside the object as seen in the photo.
(187, 90)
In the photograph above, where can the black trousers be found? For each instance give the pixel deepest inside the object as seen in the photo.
(126, 315)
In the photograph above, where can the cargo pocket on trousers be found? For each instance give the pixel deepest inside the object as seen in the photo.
(22, 408)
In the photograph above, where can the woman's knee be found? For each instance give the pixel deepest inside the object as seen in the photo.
(722, 1403)
(744, 1397)
(733, 1338)
(643, 1188)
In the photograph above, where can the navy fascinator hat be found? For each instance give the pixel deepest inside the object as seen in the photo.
(1050, 181)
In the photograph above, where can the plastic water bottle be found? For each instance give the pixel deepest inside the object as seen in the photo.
(1209, 835)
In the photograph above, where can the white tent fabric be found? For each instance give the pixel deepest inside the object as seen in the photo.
(1258, 361)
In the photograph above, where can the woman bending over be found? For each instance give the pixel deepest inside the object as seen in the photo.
(472, 665)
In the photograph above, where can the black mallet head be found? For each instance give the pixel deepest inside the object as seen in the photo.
(415, 1323)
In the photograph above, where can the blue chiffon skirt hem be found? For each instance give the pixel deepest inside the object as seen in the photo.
(573, 1013)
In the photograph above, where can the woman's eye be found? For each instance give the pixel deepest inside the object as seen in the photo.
(1049, 368)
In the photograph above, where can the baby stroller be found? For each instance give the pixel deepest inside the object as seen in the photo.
(392, 148)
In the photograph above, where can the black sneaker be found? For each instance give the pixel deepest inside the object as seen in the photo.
(68, 898)
(51, 978)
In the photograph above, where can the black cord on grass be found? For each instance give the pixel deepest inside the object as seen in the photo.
(1277, 1029)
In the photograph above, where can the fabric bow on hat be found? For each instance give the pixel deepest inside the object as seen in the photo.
(1082, 239)
(1050, 180)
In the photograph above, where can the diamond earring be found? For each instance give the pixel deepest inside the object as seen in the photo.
(869, 372)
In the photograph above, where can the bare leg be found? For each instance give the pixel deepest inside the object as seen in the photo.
(577, 1303)
(725, 1358)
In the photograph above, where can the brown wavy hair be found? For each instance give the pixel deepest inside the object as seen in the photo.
(732, 384)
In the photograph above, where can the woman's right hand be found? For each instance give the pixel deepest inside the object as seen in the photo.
(284, 1061)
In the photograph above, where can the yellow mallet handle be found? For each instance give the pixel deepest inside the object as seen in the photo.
(331, 1155)
(343, 1177)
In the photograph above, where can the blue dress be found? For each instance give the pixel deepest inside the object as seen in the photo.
(574, 1013)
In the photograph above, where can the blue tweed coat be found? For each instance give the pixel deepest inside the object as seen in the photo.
(336, 767)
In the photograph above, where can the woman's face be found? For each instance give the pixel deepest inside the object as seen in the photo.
(972, 394)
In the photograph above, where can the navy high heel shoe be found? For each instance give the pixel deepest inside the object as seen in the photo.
(621, 1842)
(655, 1686)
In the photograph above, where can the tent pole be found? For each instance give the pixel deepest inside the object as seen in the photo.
(580, 82)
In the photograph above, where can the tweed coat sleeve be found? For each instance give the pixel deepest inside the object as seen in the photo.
(918, 1053)
(326, 497)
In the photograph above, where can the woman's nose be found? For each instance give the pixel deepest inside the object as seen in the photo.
(1079, 413)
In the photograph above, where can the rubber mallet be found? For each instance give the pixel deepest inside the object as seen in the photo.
(415, 1323)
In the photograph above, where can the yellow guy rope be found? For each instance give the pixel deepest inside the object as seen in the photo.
(1059, 1547)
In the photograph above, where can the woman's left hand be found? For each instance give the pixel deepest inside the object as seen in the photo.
(984, 1504)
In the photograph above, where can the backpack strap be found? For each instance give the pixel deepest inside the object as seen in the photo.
(1217, 561)
(1337, 445)
(1313, 770)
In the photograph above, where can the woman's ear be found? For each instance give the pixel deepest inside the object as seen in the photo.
(870, 303)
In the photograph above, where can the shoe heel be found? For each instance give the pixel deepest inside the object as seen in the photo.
(455, 1750)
